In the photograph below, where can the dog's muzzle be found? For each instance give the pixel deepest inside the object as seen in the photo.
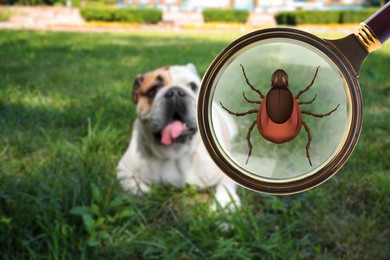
(176, 122)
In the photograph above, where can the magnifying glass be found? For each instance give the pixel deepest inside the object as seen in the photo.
(280, 110)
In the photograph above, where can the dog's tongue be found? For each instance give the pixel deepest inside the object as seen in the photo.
(171, 132)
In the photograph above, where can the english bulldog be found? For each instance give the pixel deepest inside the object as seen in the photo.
(165, 146)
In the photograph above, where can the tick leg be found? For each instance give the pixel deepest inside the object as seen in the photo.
(251, 101)
(239, 113)
(248, 138)
(308, 102)
(309, 86)
(250, 85)
(319, 115)
(309, 138)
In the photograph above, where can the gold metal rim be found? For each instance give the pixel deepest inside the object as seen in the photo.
(367, 38)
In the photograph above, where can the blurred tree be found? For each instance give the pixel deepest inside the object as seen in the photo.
(376, 2)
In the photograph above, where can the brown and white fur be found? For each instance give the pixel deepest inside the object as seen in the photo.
(165, 146)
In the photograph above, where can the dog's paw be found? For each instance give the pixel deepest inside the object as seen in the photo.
(135, 187)
(225, 200)
(226, 197)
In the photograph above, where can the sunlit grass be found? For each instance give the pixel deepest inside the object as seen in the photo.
(65, 120)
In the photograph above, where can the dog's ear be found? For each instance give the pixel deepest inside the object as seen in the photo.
(136, 87)
(192, 68)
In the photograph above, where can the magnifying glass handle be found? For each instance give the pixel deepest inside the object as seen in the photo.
(379, 23)
(370, 36)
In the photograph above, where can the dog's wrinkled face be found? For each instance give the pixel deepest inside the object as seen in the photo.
(166, 101)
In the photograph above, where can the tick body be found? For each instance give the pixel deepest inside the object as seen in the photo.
(279, 116)
(279, 122)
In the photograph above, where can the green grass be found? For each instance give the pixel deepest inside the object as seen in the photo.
(65, 119)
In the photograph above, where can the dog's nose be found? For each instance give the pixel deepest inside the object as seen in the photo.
(175, 92)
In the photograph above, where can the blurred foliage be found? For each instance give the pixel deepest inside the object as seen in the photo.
(376, 2)
(75, 3)
(131, 15)
(324, 17)
(4, 15)
(225, 15)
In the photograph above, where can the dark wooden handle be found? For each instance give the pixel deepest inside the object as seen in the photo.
(379, 23)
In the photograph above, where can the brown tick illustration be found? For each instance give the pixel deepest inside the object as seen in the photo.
(279, 117)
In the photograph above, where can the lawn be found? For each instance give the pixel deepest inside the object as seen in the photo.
(65, 120)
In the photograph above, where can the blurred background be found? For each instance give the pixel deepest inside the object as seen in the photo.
(66, 73)
(46, 14)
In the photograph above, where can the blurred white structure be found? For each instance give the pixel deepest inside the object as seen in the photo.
(252, 5)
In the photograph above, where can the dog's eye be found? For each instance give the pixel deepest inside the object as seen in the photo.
(152, 91)
(193, 86)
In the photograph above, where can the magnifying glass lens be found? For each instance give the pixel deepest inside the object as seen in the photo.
(324, 106)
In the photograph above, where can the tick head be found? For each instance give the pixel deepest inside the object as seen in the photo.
(279, 79)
